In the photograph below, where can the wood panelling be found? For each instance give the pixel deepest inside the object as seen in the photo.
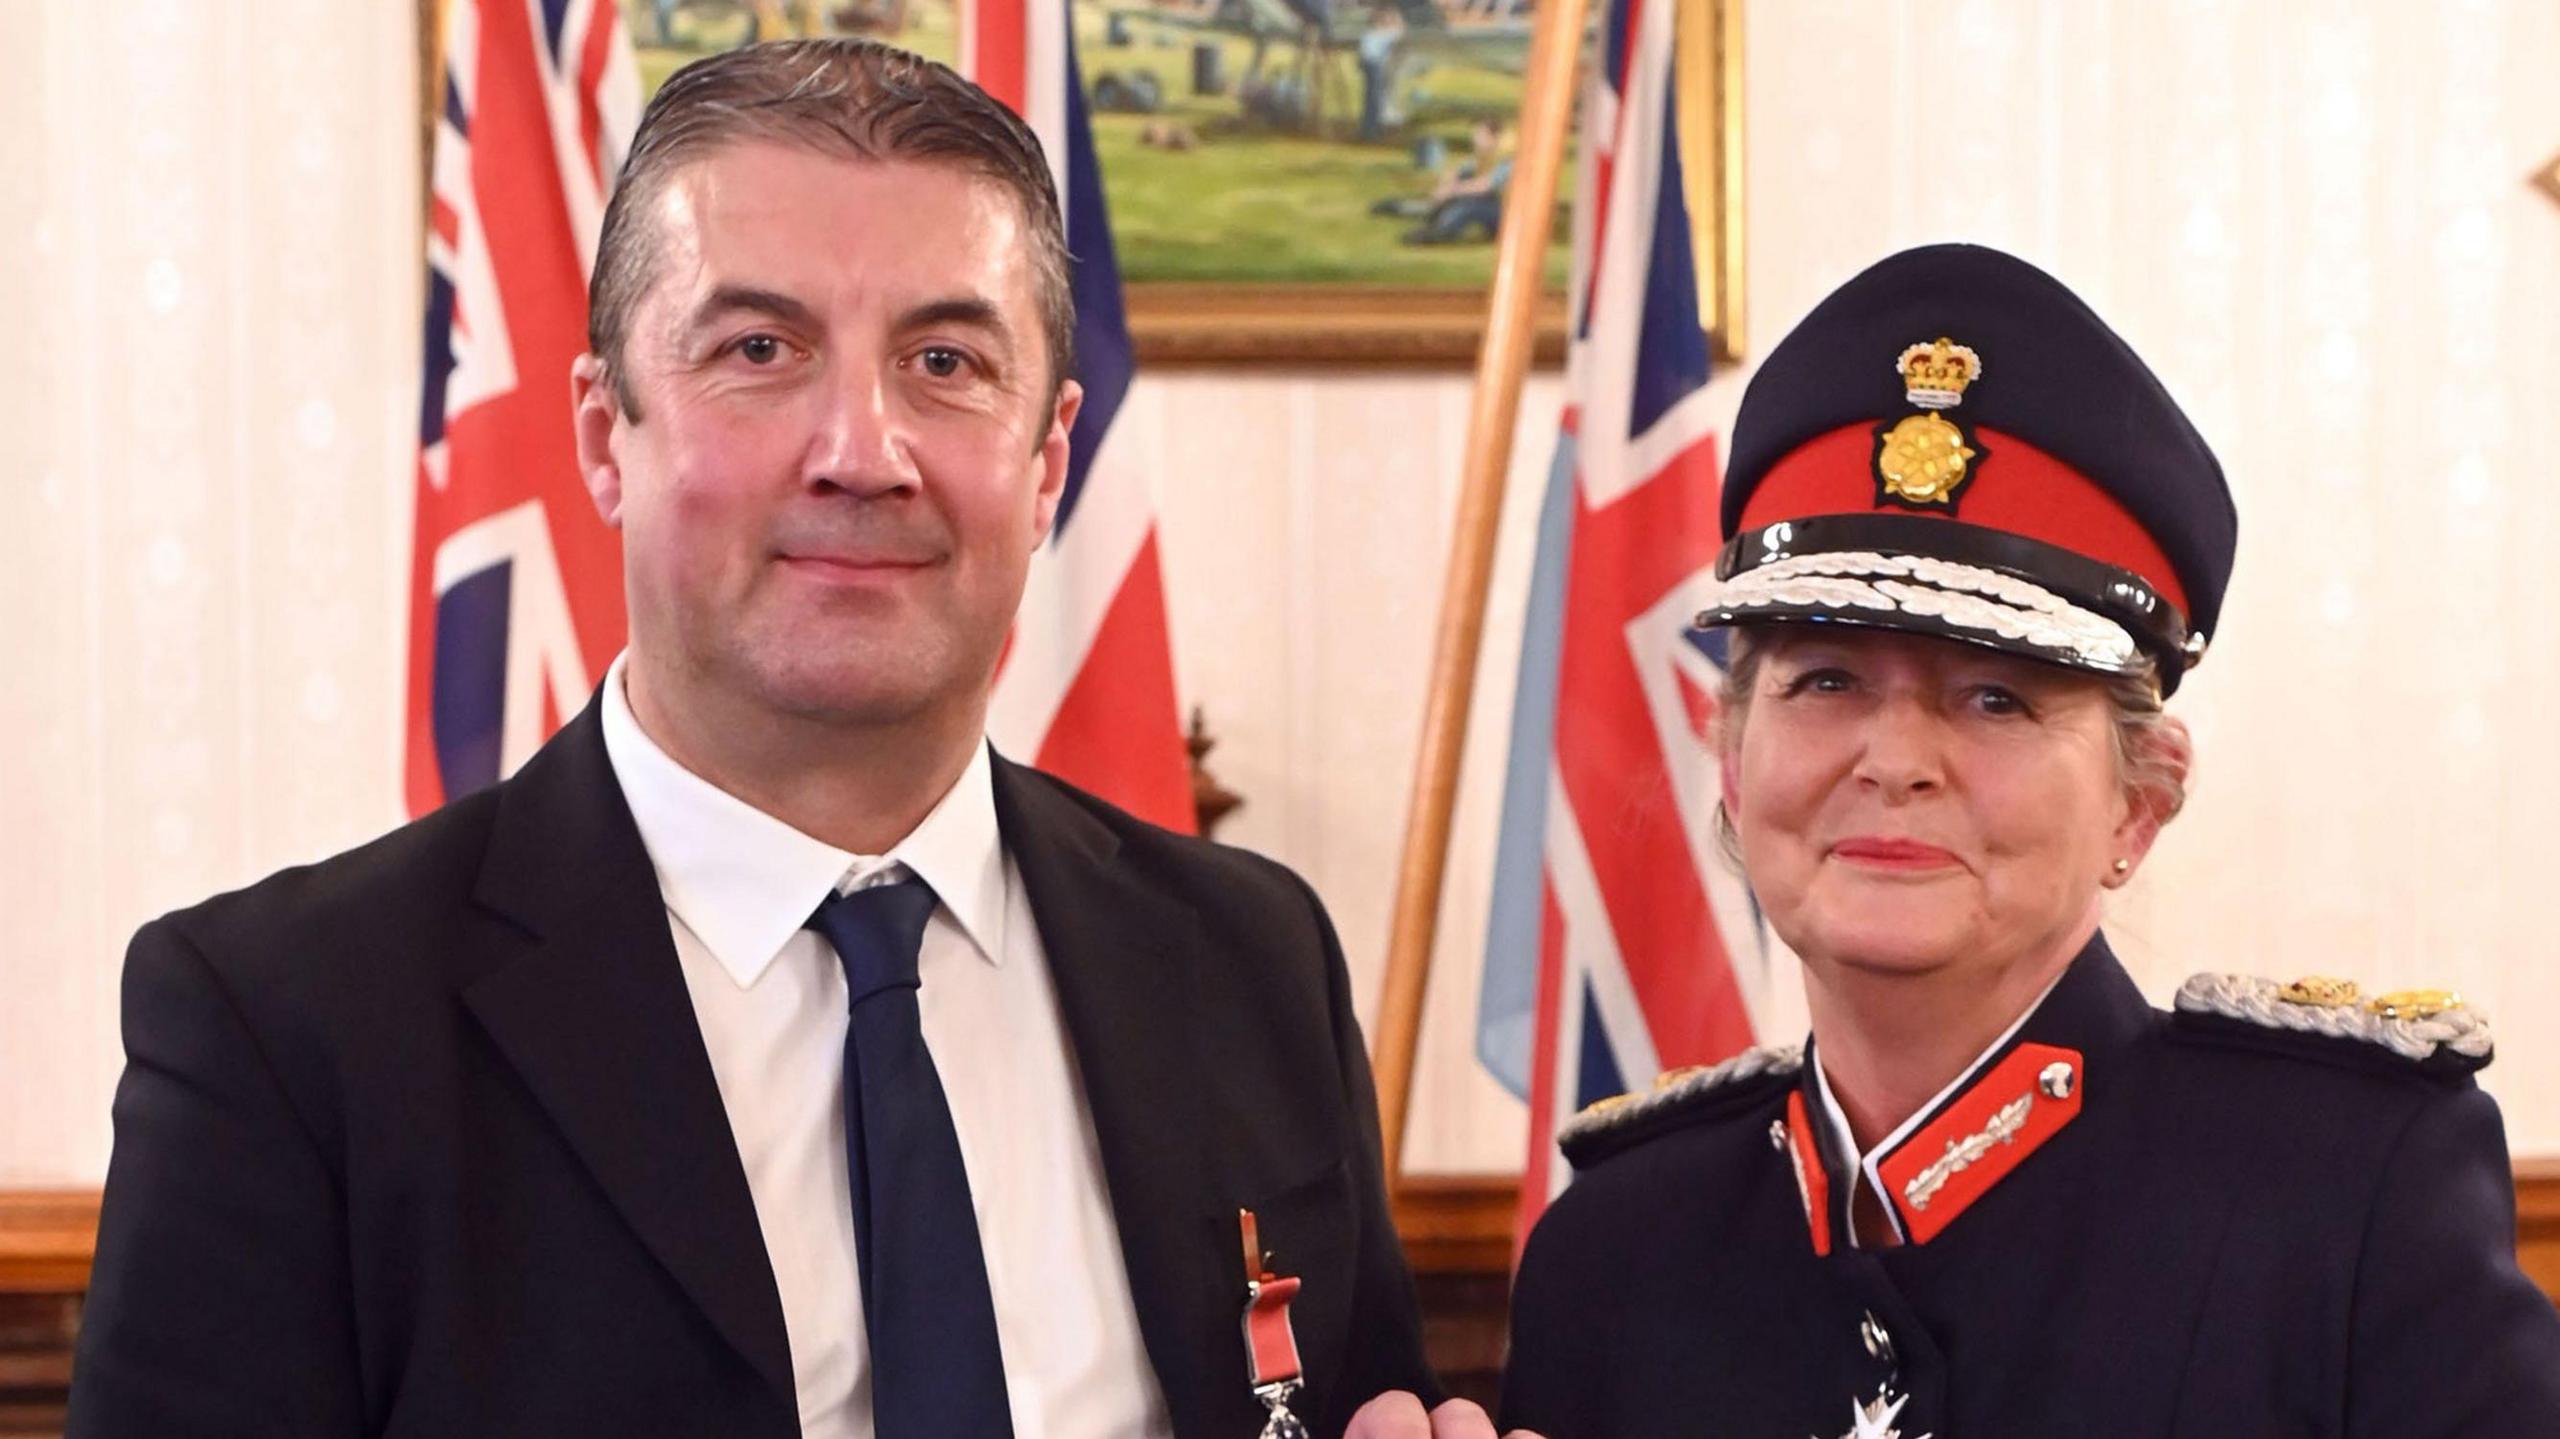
(1457, 1223)
(2538, 1222)
(1457, 1236)
(36, 1331)
(45, 1239)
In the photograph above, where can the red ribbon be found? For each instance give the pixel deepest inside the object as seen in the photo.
(1271, 1346)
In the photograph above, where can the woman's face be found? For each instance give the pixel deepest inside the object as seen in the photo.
(1908, 804)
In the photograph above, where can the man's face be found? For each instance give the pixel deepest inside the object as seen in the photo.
(848, 450)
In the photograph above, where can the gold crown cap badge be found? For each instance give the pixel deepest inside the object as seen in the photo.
(1923, 459)
(1934, 375)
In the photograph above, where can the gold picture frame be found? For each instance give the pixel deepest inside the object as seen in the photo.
(1223, 323)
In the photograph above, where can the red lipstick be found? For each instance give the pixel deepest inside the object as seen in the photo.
(1889, 852)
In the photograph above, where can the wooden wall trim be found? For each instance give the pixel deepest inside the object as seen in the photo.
(1452, 1224)
(1457, 1223)
(2538, 1222)
(46, 1236)
(2538, 1194)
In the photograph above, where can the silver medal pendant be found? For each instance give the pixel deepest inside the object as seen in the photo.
(1275, 1397)
(1875, 1418)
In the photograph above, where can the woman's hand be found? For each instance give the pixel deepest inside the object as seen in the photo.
(1399, 1415)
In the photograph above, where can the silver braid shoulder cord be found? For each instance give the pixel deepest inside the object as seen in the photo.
(1679, 1086)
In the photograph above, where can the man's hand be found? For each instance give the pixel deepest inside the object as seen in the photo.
(1399, 1416)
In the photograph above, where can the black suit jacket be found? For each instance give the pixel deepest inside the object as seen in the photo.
(2245, 1232)
(423, 1140)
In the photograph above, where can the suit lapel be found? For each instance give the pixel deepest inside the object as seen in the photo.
(593, 1014)
(1118, 952)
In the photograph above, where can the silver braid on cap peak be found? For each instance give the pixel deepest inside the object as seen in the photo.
(1966, 596)
(1677, 1087)
(2258, 1000)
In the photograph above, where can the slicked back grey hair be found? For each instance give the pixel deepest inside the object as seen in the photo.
(2133, 702)
(858, 99)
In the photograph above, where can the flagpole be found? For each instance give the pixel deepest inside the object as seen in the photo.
(1519, 269)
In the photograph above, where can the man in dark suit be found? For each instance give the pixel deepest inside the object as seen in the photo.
(766, 1057)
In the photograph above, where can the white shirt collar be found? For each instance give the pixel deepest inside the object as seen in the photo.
(745, 882)
(1837, 1119)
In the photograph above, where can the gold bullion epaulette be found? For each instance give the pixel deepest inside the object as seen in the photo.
(1677, 1096)
(2432, 1029)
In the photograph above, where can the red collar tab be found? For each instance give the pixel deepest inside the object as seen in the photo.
(1794, 1138)
(1983, 1134)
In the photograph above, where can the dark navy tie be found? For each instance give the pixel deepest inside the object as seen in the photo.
(935, 1367)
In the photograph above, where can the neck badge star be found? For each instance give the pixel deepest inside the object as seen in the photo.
(1874, 1419)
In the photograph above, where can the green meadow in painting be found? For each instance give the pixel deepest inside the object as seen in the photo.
(1245, 141)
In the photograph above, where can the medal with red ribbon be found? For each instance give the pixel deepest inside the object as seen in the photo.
(1270, 1345)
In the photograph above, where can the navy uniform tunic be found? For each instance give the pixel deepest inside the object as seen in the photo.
(2224, 1229)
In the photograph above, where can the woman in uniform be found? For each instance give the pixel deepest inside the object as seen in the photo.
(1973, 545)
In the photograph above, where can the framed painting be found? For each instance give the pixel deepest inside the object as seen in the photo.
(1300, 181)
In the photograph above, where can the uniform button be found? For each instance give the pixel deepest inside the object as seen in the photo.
(2056, 1079)
(1879, 1343)
(1778, 1134)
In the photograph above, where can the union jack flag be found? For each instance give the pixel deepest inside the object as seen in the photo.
(1619, 944)
(515, 590)
(1087, 689)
